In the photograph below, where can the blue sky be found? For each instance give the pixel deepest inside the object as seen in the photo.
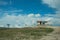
(25, 9)
(28, 6)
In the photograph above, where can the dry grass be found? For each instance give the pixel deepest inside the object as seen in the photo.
(23, 33)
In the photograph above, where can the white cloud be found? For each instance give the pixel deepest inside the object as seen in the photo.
(54, 19)
(52, 3)
(26, 20)
(37, 15)
(30, 15)
(22, 20)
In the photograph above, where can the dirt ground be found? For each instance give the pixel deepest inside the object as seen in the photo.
(55, 35)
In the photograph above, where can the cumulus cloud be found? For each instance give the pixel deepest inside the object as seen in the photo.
(19, 21)
(37, 15)
(27, 20)
(54, 4)
(54, 19)
(31, 15)
(22, 20)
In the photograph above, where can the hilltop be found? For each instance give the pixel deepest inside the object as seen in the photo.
(24, 33)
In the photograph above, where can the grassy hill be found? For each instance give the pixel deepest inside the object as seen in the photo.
(24, 33)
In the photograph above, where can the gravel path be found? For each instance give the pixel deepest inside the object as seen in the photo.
(54, 35)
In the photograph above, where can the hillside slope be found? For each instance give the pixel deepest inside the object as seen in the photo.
(24, 33)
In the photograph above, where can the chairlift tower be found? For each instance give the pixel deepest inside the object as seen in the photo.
(8, 25)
